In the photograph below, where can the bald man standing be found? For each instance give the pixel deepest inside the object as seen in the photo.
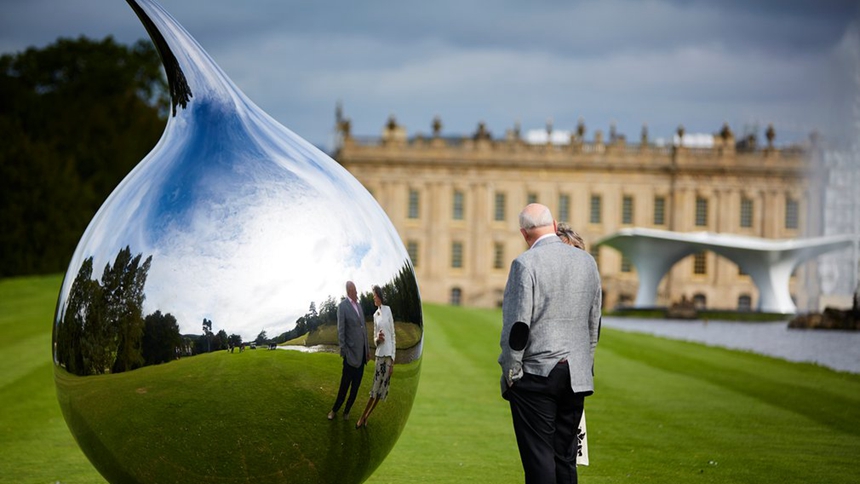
(550, 326)
(352, 338)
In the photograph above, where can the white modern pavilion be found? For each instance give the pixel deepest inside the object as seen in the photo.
(769, 262)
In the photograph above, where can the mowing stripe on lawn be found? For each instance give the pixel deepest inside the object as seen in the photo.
(828, 397)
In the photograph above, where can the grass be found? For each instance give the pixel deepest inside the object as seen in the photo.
(35, 444)
(664, 411)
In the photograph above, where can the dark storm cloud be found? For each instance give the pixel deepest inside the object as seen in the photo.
(665, 62)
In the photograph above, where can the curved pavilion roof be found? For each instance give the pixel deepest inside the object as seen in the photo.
(769, 262)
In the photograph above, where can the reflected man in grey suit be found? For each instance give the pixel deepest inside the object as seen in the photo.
(551, 322)
(352, 338)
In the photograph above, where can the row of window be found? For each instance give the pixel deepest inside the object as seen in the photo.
(457, 254)
(700, 301)
(700, 264)
(596, 209)
(700, 261)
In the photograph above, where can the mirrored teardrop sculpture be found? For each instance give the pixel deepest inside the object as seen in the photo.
(232, 226)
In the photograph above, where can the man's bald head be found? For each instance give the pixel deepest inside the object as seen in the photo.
(535, 221)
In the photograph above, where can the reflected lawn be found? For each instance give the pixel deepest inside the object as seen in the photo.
(232, 417)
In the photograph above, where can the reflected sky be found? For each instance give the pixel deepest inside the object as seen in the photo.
(246, 222)
(244, 240)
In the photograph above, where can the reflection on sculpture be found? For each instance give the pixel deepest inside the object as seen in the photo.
(385, 337)
(354, 350)
(234, 221)
(102, 327)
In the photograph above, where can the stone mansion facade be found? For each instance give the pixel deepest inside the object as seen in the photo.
(455, 203)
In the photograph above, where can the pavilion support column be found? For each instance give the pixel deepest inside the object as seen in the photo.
(653, 259)
(771, 275)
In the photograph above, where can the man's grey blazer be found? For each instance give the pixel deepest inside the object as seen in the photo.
(352, 334)
(554, 289)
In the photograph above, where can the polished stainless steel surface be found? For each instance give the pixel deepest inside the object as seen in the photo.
(231, 223)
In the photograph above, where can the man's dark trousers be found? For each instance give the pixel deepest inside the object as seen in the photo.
(350, 378)
(546, 414)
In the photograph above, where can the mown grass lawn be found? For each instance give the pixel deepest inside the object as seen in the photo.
(663, 412)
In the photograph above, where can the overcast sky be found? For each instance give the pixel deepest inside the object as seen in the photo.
(662, 62)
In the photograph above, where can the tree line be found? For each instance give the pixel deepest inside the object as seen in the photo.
(400, 294)
(101, 327)
(76, 117)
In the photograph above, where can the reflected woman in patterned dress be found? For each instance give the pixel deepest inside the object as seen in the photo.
(383, 329)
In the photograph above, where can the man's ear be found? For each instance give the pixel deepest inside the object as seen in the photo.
(525, 235)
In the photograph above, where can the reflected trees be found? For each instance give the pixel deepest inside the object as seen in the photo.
(161, 338)
(400, 294)
(102, 327)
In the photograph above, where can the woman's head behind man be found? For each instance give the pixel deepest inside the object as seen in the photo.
(569, 236)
